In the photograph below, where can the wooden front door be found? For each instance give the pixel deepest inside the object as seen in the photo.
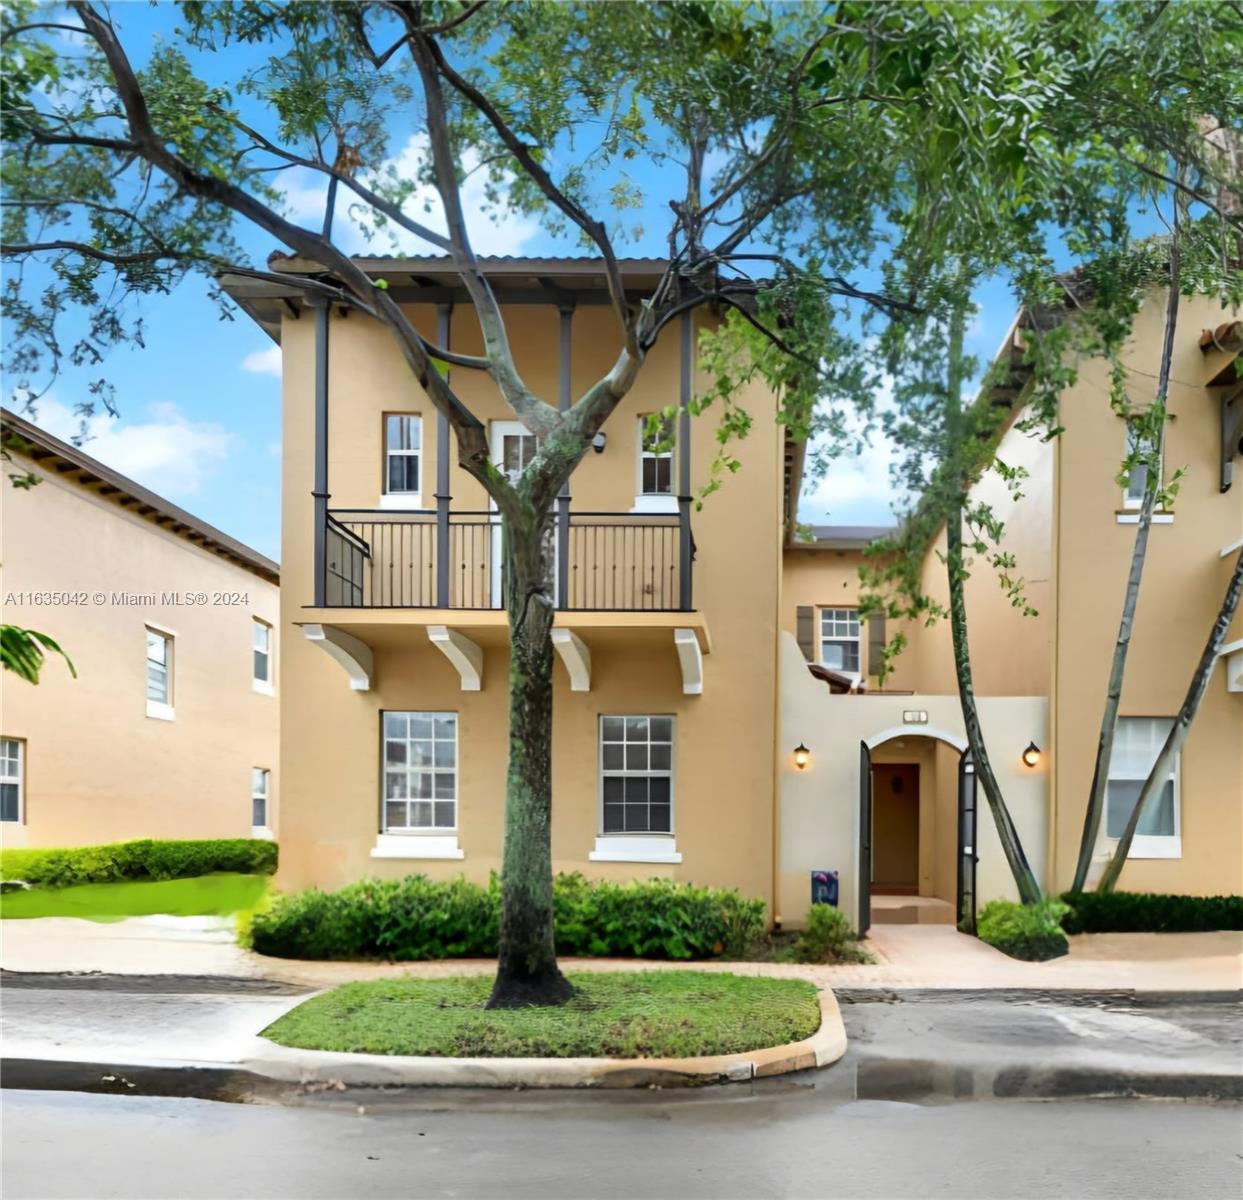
(895, 828)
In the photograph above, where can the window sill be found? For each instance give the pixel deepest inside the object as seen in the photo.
(655, 504)
(1156, 847)
(402, 501)
(263, 833)
(635, 850)
(160, 712)
(415, 845)
(264, 689)
(1132, 518)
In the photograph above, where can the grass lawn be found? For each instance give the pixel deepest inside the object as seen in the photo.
(202, 896)
(633, 1014)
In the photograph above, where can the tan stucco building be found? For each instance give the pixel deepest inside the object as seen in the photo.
(171, 728)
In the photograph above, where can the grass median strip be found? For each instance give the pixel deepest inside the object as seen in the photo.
(208, 895)
(633, 1014)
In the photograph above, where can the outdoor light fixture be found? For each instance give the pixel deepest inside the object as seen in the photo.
(599, 442)
(1031, 756)
(802, 756)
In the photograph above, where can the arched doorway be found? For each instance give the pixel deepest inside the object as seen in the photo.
(916, 828)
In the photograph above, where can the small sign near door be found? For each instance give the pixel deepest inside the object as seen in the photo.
(824, 887)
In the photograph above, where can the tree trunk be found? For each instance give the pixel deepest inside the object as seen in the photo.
(1139, 553)
(1029, 888)
(1182, 725)
(527, 971)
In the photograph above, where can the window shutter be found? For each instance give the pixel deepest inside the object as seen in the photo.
(876, 643)
(807, 632)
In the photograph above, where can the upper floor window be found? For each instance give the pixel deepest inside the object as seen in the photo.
(656, 457)
(839, 639)
(420, 771)
(636, 774)
(1137, 742)
(1137, 479)
(11, 779)
(159, 674)
(261, 655)
(403, 448)
(259, 777)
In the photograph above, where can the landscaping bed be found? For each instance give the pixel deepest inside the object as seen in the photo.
(642, 1014)
(142, 859)
(1150, 912)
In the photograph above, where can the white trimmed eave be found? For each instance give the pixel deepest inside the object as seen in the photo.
(691, 659)
(354, 655)
(465, 655)
(574, 653)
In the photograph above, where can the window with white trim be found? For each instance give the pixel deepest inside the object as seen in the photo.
(1137, 479)
(656, 458)
(839, 639)
(403, 448)
(262, 652)
(636, 775)
(259, 777)
(1137, 742)
(420, 771)
(159, 668)
(12, 791)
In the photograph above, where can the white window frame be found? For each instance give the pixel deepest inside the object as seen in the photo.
(821, 612)
(1133, 503)
(267, 685)
(1147, 845)
(263, 775)
(655, 502)
(419, 841)
(654, 847)
(18, 778)
(161, 710)
(400, 500)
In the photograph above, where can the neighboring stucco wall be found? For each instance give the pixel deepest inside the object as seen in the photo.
(725, 738)
(820, 579)
(1181, 591)
(98, 769)
(820, 805)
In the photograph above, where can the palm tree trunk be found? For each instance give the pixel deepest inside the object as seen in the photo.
(1182, 726)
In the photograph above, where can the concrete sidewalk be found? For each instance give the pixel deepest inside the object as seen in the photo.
(908, 957)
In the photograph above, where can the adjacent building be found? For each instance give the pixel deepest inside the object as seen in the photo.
(171, 727)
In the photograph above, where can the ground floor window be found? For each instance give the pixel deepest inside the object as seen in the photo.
(420, 771)
(1137, 742)
(12, 762)
(259, 797)
(636, 774)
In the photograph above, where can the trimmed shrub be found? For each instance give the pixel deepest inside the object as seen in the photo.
(829, 937)
(138, 860)
(1150, 912)
(415, 918)
(1029, 931)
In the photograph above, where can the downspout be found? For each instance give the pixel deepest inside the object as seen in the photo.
(319, 491)
(1055, 556)
(566, 330)
(686, 550)
(444, 330)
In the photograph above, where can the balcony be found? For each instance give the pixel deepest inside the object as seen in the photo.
(424, 559)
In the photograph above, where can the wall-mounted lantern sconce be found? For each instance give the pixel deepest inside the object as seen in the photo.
(802, 756)
(1031, 756)
(599, 442)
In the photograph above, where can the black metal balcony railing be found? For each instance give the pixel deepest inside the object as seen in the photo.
(613, 562)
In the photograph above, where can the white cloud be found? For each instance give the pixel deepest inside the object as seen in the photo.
(264, 362)
(491, 231)
(856, 490)
(168, 452)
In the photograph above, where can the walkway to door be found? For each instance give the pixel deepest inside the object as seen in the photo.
(911, 910)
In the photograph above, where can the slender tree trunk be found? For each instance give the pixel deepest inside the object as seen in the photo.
(527, 971)
(1024, 877)
(1139, 553)
(1182, 726)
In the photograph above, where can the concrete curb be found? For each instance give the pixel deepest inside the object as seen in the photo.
(283, 1064)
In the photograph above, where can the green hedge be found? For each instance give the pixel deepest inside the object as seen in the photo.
(415, 918)
(1150, 912)
(1028, 931)
(143, 859)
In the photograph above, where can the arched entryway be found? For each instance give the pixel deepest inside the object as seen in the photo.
(916, 828)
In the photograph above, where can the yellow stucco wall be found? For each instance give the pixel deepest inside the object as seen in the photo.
(821, 579)
(724, 740)
(98, 769)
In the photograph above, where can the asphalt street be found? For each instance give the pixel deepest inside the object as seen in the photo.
(791, 1142)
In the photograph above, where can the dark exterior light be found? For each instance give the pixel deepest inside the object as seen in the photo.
(1031, 756)
(802, 756)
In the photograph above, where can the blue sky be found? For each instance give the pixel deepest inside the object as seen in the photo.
(200, 404)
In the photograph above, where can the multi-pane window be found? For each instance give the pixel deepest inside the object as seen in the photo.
(1137, 479)
(1137, 742)
(259, 797)
(403, 446)
(420, 771)
(636, 771)
(159, 667)
(262, 650)
(839, 639)
(656, 458)
(11, 779)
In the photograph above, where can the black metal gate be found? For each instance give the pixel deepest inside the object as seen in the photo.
(968, 854)
(865, 838)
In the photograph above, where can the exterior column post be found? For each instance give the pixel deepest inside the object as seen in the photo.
(444, 323)
(319, 488)
(563, 497)
(686, 546)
